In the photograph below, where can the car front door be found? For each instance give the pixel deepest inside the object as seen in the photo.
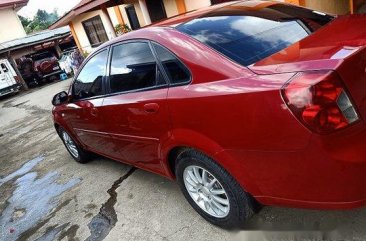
(83, 114)
(136, 109)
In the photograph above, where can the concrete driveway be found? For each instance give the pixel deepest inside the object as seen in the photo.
(45, 195)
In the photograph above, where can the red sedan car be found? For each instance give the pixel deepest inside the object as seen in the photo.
(241, 103)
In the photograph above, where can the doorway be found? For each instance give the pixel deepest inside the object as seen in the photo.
(132, 17)
(219, 1)
(156, 10)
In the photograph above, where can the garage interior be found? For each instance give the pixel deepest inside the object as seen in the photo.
(54, 42)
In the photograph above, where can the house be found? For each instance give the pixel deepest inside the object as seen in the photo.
(11, 27)
(332, 6)
(92, 22)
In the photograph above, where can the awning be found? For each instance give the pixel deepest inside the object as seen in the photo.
(33, 39)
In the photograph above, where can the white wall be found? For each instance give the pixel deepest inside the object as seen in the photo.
(10, 25)
(170, 8)
(196, 4)
(113, 16)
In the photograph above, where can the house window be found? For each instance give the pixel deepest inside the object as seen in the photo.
(95, 31)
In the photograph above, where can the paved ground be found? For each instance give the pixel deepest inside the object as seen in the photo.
(45, 195)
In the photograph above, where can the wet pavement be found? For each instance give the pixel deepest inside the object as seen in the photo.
(45, 195)
(31, 192)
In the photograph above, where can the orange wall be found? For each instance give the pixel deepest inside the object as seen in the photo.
(328, 6)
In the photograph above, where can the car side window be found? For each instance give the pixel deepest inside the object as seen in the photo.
(89, 82)
(134, 67)
(175, 69)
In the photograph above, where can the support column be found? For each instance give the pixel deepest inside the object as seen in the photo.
(15, 67)
(58, 49)
(76, 39)
(297, 2)
(145, 12)
(109, 23)
(117, 10)
(181, 6)
(352, 6)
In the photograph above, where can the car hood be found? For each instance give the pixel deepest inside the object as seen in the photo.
(326, 48)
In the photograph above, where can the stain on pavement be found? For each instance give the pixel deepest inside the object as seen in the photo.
(34, 197)
(106, 219)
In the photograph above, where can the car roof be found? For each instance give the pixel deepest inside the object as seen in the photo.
(223, 9)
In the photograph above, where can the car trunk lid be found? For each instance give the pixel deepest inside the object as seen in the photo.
(339, 46)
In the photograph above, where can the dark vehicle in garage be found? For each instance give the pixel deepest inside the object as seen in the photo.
(46, 65)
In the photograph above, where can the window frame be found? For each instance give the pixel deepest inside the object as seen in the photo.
(73, 100)
(86, 32)
(161, 65)
(162, 72)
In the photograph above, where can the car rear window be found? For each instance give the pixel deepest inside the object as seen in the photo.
(249, 36)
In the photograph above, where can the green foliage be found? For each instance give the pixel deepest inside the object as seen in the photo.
(85, 54)
(25, 21)
(121, 29)
(41, 21)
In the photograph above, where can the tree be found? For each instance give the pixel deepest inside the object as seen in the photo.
(41, 21)
(25, 21)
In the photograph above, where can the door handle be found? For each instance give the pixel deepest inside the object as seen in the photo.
(151, 108)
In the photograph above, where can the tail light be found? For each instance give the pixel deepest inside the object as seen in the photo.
(319, 100)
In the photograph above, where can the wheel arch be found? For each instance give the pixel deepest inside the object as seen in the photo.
(57, 128)
(183, 140)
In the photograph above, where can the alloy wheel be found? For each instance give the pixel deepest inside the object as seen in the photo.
(70, 145)
(206, 191)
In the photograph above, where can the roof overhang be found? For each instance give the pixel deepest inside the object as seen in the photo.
(14, 4)
(35, 39)
(83, 7)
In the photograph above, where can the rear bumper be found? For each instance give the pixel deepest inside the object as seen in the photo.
(330, 173)
(9, 90)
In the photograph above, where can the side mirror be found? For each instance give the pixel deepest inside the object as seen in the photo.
(60, 98)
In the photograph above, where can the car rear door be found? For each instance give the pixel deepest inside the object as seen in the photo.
(83, 113)
(136, 111)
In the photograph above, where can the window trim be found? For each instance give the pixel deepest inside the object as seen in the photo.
(162, 67)
(86, 33)
(109, 91)
(81, 69)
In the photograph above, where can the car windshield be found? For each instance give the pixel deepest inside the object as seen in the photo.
(249, 36)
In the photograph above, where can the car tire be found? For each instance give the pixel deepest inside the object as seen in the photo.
(73, 148)
(235, 205)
